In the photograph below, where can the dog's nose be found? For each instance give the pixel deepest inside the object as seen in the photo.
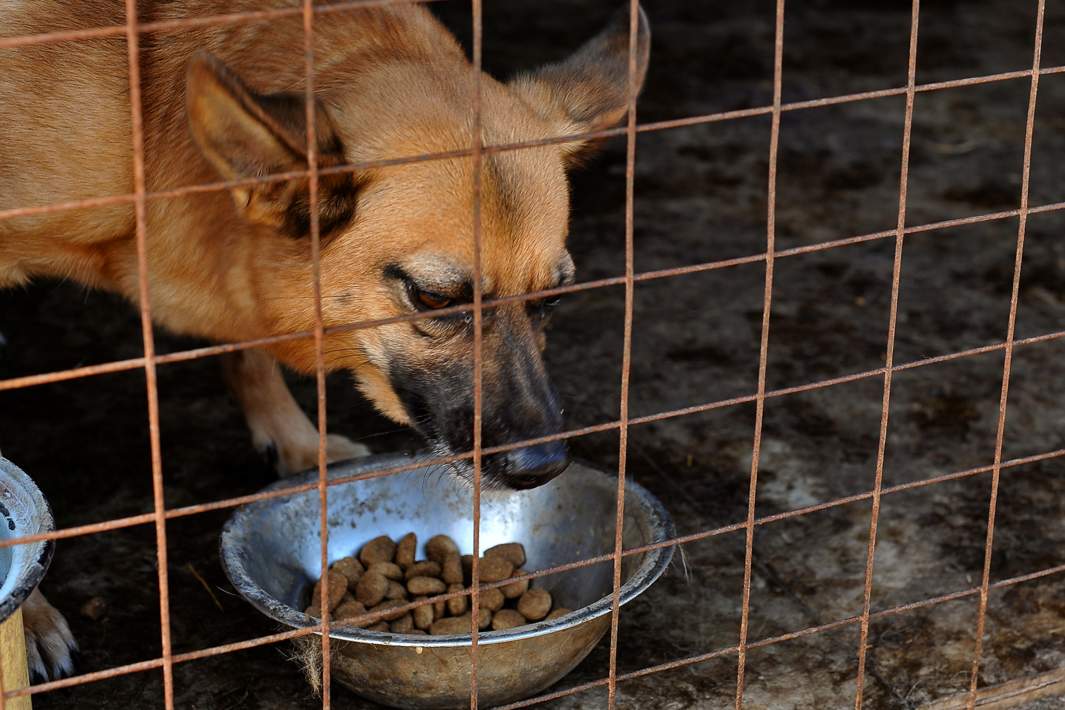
(534, 466)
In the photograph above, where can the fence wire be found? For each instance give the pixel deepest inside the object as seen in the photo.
(132, 30)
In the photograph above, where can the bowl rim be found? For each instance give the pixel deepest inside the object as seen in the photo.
(41, 551)
(655, 562)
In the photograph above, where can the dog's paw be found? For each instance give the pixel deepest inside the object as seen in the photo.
(288, 461)
(49, 644)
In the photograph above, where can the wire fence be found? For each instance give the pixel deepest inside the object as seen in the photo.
(133, 30)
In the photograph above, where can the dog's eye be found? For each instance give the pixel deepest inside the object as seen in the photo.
(541, 308)
(427, 300)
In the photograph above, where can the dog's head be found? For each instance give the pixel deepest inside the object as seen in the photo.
(398, 239)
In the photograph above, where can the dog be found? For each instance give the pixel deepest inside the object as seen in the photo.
(225, 102)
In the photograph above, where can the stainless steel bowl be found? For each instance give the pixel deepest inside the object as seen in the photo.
(271, 554)
(23, 511)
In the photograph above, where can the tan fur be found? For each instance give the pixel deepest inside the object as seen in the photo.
(396, 84)
(224, 103)
(390, 82)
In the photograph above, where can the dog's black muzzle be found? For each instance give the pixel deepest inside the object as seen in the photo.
(519, 404)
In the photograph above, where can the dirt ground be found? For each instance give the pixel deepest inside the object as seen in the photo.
(701, 195)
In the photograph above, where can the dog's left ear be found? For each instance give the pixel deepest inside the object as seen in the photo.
(589, 91)
(247, 135)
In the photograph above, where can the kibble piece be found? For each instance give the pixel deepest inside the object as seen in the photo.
(451, 625)
(402, 625)
(418, 632)
(379, 626)
(561, 611)
(338, 587)
(491, 599)
(451, 569)
(390, 604)
(425, 586)
(395, 591)
(534, 604)
(350, 568)
(380, 549)
(515, 589)
(314, 611)
(438, 547)
(456, 606)
(350, 610)
(512, 552)
(405, 549)
(507, 619)
(423, 615)
(439, 609)
(423, 569)
(390, 570)
(371, 589)
(494, 569)
(460, 624)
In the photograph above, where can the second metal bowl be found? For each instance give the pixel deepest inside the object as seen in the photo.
(23, 512)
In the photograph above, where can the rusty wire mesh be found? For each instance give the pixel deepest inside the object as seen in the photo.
(308, 11)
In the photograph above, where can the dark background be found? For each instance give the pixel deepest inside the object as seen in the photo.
(701, 196)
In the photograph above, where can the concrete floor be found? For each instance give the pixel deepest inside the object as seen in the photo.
(701, 195)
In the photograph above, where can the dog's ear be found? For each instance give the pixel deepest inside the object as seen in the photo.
(246, 135)
(589, 91)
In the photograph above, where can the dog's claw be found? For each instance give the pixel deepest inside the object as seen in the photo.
(50, 645)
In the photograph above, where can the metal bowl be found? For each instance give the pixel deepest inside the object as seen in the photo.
(23, 511)
(271, 553)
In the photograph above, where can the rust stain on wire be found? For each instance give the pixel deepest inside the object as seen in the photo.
(1007, 361)
(889, 358)
(319, 337)
(763, 351)
(144, 295)
(478, 342)
(626, 347)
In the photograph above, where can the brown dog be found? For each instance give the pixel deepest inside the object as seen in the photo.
(226, 102)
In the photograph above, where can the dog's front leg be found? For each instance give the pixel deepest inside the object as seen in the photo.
(279, 428)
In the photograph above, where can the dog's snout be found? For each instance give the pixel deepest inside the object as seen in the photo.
(533, 466)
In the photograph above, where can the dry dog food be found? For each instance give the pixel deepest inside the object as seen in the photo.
(385, 575)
